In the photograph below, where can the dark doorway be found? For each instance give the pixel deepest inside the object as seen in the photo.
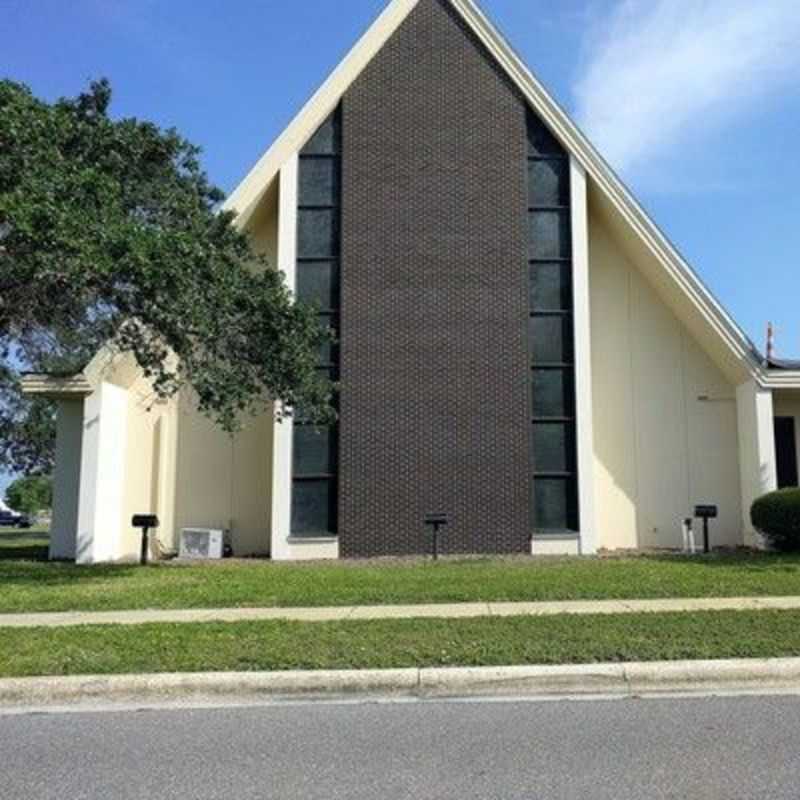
(786, 452)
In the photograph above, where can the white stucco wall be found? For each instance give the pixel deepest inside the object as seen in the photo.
(757, 465)
(659, 449)
(222, 480)
(121, 451)
(582, 348)
(149, 467)
(66, 479)
(102, 485)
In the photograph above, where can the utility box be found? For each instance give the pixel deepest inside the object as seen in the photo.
(202, 544)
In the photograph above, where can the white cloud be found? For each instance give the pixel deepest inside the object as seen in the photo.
(658, 71)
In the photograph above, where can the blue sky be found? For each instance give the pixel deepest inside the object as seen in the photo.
(695, 102)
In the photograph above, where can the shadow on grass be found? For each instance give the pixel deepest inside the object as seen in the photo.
(23, 535)
(749, 560)
(23, 546)
(23, 552)
(26, 571)
(24, 560)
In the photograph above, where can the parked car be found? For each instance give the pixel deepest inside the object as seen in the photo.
(10, 519)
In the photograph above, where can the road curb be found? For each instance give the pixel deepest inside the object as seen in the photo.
(629, 679)
(735, 675)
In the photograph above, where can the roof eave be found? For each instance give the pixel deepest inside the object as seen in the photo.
(614, 188)
(244, 199)
(249, 193)
(56, 387)
(780, 379)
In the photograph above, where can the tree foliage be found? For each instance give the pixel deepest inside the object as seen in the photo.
(110, 232)
(30, 495)
(27, 429)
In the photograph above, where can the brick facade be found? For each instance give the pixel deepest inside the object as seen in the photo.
(434, 355)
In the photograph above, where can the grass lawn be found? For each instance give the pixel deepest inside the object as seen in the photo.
(397, 643)
(31, 585)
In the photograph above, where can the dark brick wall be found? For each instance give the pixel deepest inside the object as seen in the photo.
(434, 404)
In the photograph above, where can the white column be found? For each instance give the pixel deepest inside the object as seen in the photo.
(102, 475)
(280, 548)
(163, 482)
(66, 479)
(583, 357)
(757, 464)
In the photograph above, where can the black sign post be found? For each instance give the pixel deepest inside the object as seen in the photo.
(144, 522)
(436, 521)
(706, 513)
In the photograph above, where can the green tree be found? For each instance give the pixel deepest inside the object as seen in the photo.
(110, 232)
(31, 494)
(27, 429)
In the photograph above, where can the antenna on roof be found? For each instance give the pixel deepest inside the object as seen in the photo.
(770, 342)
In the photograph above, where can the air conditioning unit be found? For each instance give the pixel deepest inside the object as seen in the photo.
(202, 543)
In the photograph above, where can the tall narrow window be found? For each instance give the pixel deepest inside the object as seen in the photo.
(550, 331)
(786, 452)
(315, 459)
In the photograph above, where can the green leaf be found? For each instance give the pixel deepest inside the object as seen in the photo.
(111, 233)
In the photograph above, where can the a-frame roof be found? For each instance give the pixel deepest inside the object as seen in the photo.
(694, 304)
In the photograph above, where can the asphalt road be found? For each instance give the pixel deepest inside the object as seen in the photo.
(678, 748)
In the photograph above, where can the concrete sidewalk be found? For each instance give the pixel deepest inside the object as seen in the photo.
(444, 611)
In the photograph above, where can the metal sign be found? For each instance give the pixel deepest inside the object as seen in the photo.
(706, 512)
(436, 521)
(145, 522)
